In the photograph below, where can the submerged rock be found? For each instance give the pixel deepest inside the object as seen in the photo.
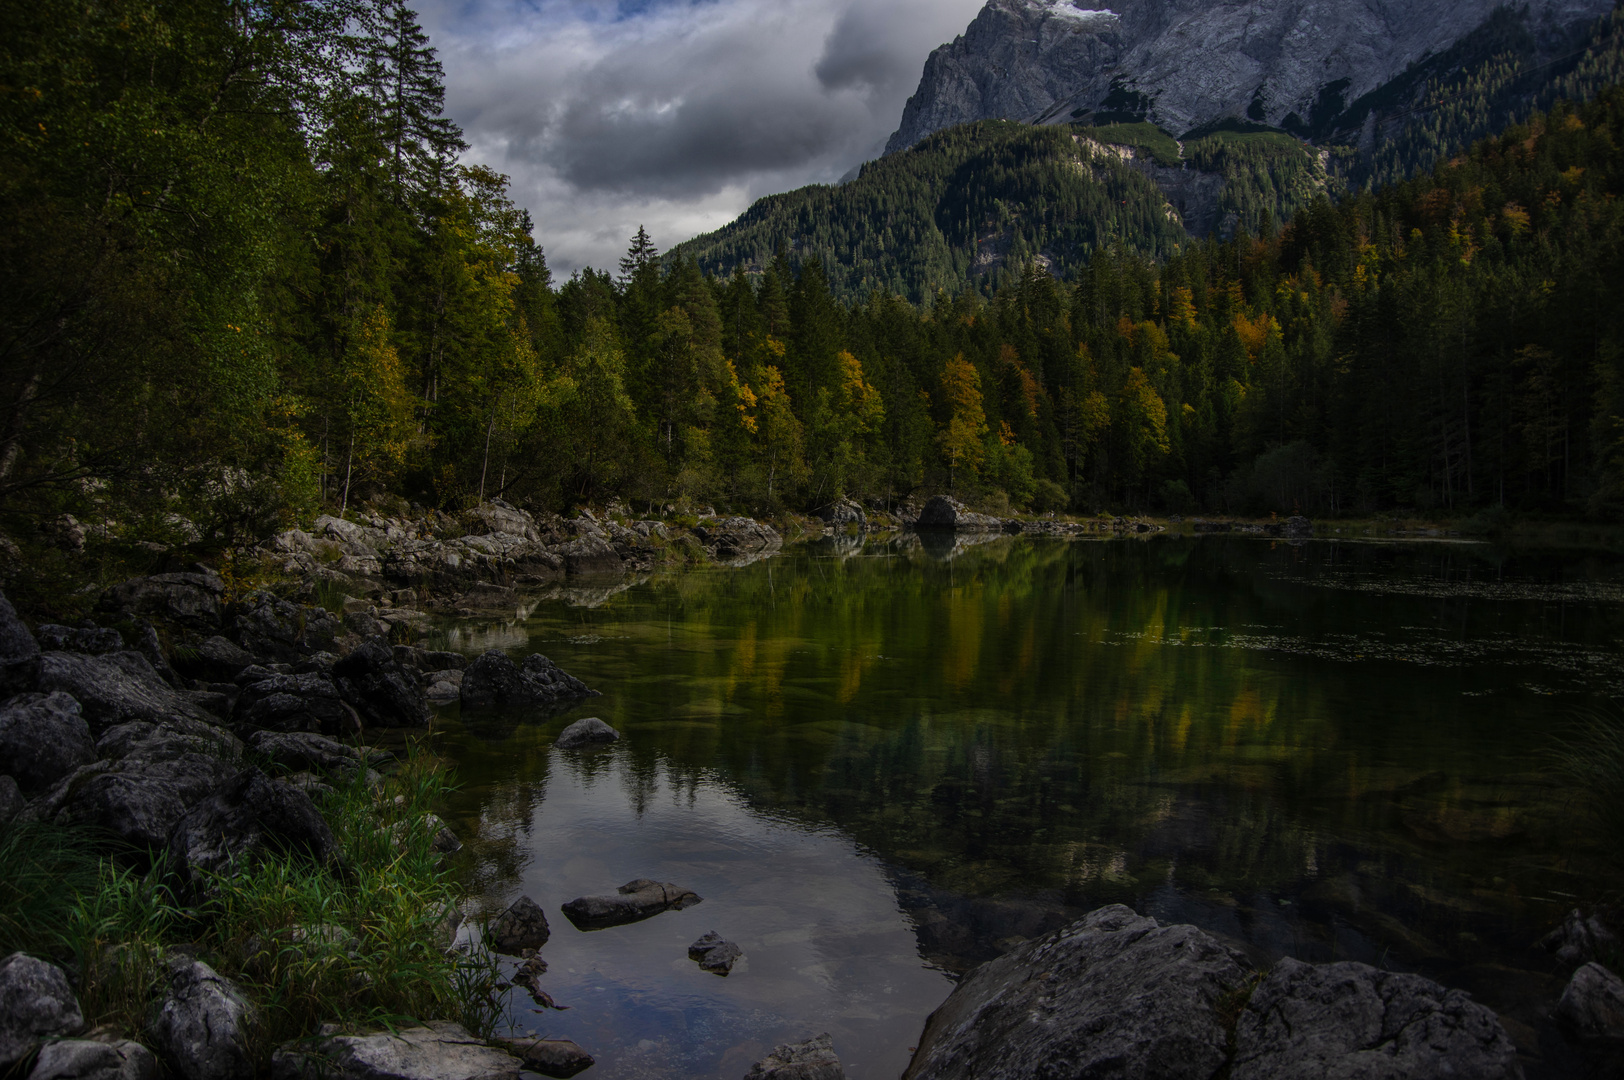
(1113, 994)
(586, 732)
(203, 1025)
(522, 926)
(1352, 1020)
(87, 1059)
(43, 738)
(438, 1050)
(493, 679)
(813, 1059)
(1592, 1005)
(714, 954)
(632, 902)
(36, 1003)
(551, 1057)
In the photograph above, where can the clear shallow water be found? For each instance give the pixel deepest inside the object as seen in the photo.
(881, 764)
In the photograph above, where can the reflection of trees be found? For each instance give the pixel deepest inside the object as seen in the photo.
(1060, 725)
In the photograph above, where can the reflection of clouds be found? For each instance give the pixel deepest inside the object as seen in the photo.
(826, 947)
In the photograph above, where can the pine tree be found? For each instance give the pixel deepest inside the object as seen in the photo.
(406, 84)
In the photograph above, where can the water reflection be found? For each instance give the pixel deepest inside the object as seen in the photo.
(1329, 750)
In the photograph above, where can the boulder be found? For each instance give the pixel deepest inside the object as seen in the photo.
(841, 513)
(589, 554)
(588, 731)
(114, 688)
(250, 815)
(500, 519)
(713, 954)
(427, 660)
(304, 751)
(19, 652)
(86, 1059)
(551, 1057)
(493, 679)
(1350, 1021)
(309, 703)
(813, 1059)
(203, 1025)
(382, 692)
(943, 512)
(1114, 994)
(43, 738)
(36, 1003)
(11, 799)
(190, 600)
(439, 1050)
(737, 537)
(268, 626)
(1580, 939)
(1592, 1005)
(522, 926)
(632, 902)
(1299, 527)
(92, 640)
(219, 657)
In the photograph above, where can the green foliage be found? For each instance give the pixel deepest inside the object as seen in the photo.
(43, 863)
(1161, 146)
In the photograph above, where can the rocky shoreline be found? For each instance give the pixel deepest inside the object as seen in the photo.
(210, 728)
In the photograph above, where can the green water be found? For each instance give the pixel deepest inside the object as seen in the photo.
(881, 764)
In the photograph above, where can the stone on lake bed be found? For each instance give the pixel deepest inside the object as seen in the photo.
(551, 1057)
(522, 926)
(586, 732)
(813, 1059)
(714, 954)
(632, 902)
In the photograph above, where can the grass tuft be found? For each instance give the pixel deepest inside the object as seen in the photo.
(43, 863)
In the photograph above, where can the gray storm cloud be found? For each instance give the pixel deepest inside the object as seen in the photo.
(675, 115)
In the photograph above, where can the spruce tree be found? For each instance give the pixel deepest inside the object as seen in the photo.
(406, 84)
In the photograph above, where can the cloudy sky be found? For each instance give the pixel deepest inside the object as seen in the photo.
(675, 114)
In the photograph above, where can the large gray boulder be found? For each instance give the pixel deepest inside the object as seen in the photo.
(268, 626)
(493, 679)
(561, 1058)
(734, 538)
(588, 731)
(249, 816)
(87, 1059)
(1114, 994)
(439, 1050)
(190, 600)
(43, 738)
(150, 775)
(114, 688)
(204, 1025)
(1350, 1021)
(19, 652)
(303, 751)
(378, 688)
(36, 1003)
(1592, 1005)
(522, 926)
(310, 702)
(813, 1059)
(943, 512)
(632, 902)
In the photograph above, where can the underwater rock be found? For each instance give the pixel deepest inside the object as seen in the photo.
(813, 1059)
(586, 732)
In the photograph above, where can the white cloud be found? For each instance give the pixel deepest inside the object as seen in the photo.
(675, 114)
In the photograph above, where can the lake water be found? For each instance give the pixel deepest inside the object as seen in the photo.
(882, 763)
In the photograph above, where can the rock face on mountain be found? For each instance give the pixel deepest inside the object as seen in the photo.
(1184, 63)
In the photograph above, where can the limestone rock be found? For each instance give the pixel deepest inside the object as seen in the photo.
(841, 513)
(300, 751)
(943, 512)
(203, 1026)
(219, 657)
(372, 681)
(309, 703)
(813, 1059)
(80, 639)
(43, 738)
(493, 679)
(191, 600)
(19, 652)
(588, 731)
(86, 1059)
(1350, 1021)
(551, 1057)
(439, 1050)
(250, 815)
(500, 519)
(36, 1003)
(714, 954)
(268, 626)
(734, 538)
(114, 688)
(632, 902)
(522, 926)
(1112, 994)
(589, 554)
(1592, 1005)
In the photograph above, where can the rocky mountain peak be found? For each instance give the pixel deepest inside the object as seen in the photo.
(1185, 63)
